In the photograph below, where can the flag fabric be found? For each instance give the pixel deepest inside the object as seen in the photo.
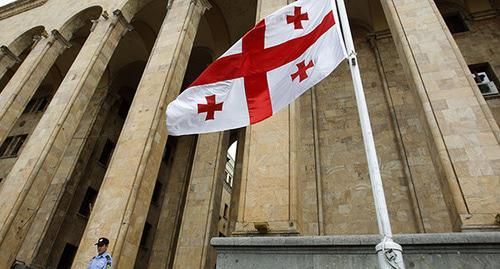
(285, 54)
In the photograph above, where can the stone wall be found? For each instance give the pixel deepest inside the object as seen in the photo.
(347, 197)
(480, 45)
(461, 251)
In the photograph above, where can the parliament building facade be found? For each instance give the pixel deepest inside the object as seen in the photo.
(85, 153)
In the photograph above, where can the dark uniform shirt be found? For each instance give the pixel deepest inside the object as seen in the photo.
(101, 261)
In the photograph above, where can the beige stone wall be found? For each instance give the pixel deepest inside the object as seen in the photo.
(480, 45)
(461, 128)
(225, 200)
(43, 15)
(309, 203)
(177, 181)
(74, 223)
(423, 181)
(347, 197)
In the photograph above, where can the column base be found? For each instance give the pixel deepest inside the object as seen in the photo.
(269, 228)
(22, 266)
(480, 222)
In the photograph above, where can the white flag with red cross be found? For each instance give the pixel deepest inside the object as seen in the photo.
(285, 54)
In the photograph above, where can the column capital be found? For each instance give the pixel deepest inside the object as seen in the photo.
(203, 4)
(56, 35)
(119, 18)
(38, 37)
(4, 50)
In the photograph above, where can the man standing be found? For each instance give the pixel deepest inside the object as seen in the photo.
(103, 259)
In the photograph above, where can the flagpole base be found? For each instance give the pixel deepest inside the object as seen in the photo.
(390, 255)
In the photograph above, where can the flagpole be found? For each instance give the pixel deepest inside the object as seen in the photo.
(389, 253)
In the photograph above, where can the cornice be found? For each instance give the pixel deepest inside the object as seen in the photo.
(19, 6)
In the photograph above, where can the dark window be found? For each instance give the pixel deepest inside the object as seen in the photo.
(67, 256)
(485, 79)
(88, 202)
(18, 143)
(106, 152)
(156, 193)
(455, 23)
(123, 110)
(29, 106)
(37, 104)
(42, 103)
(167, 152)
(12, 145)
(5, 145)
(145, 234)
(226, 209)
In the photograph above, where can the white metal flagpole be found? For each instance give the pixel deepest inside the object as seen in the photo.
(389, 253)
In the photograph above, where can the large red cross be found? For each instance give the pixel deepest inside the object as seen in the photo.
(210, 107)
(297, 18)
(255, 61)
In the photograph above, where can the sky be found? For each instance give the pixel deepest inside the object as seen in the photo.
(4, 2)
(231, 150)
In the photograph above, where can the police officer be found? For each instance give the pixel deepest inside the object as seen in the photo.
(103, 260)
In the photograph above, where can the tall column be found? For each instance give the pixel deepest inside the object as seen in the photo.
(124, 198)
(25, 186)
(7, 60)
(201, 212)
(268, 181)
(173, 203)
(462, 131)
(23, 85)
(36, 247)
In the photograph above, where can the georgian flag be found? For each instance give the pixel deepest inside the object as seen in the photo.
(285, 54)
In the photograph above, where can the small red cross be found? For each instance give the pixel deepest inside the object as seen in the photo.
(297, 18)
(210, 107)
(302, 70)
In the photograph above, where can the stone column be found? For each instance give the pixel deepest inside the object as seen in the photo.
(268, 181)
(201, 212)
(23, 85)
(462, 131)
(123, 201)
(173, 203)
(24, 188)
(36, 247)
(7, 60)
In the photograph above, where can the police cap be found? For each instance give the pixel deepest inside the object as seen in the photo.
(102, 241)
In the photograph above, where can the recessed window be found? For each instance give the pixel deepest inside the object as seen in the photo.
(42, 103)
(156, 193)
(123, 109)
(29, 106)
(106, 152)
(485, 78)
(226, 211)
(229, 179)
(145, 234)
(88, 202)
(167, 152)
(455, 23)
(12, 145)
(67, 256)
(37, 104)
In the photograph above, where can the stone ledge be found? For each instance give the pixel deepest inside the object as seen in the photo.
(358, 240)
(19, 6)
(454, 250)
